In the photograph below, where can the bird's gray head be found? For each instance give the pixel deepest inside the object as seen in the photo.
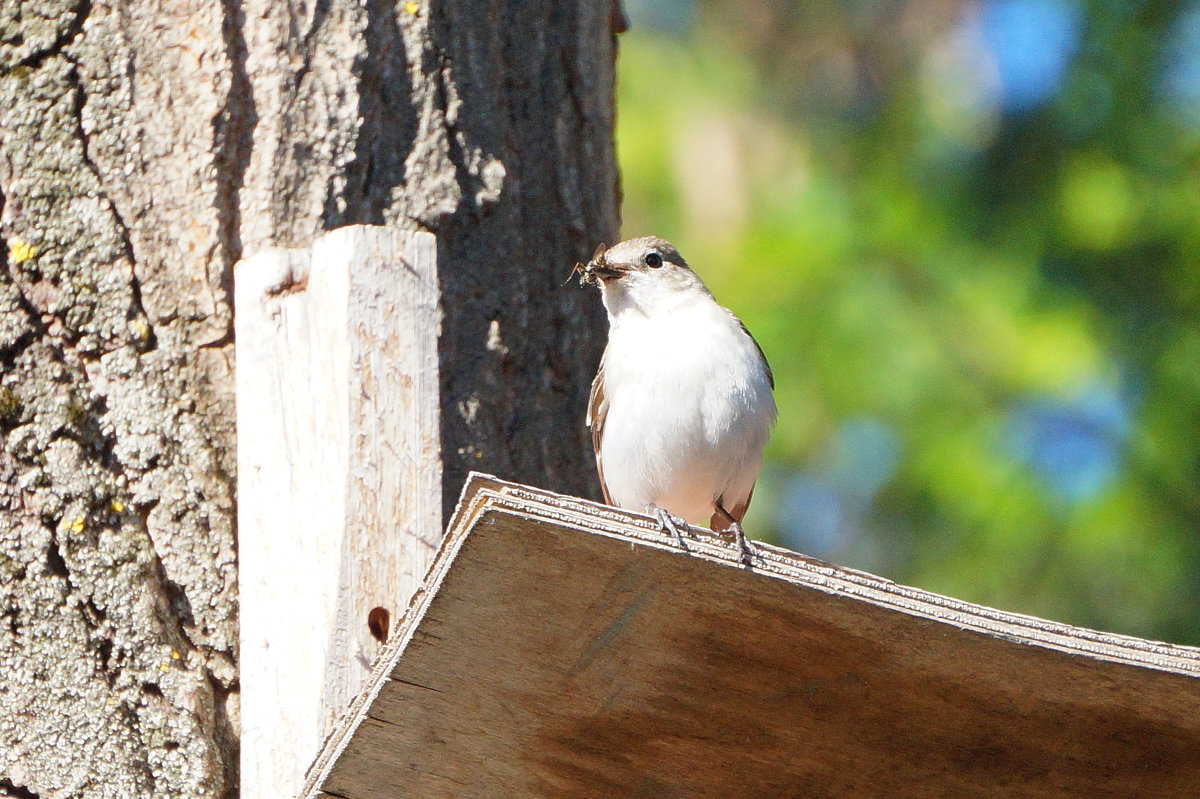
(646, 274)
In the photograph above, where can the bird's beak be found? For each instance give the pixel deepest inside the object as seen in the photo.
(607, 271)
(600, 268)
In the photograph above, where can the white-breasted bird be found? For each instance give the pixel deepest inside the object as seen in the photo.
(681, 407)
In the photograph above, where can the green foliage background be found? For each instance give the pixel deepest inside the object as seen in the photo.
(984, 322)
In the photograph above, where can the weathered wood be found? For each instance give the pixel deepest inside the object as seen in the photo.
(561, 648)
(339, 477)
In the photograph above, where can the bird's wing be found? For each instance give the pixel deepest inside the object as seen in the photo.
(596, 414)
(761, 355)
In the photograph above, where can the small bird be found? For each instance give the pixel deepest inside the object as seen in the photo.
(681, 408)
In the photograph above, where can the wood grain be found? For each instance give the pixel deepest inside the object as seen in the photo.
(339, 477)
(561, 648)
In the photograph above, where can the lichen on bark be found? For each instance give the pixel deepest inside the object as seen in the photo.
(118, 573)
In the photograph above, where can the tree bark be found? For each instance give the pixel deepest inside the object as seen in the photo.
(489, 124)
(145, 147)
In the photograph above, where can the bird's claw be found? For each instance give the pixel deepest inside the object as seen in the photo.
(668, 523)
(745, 548)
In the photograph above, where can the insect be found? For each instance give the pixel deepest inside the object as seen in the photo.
(587, 272)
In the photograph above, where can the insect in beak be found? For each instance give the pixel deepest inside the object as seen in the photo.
(590, 272)
(599, 268)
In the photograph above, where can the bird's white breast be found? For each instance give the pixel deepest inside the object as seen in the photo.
(690, 409)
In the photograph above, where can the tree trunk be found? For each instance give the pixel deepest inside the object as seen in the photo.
(145, 147)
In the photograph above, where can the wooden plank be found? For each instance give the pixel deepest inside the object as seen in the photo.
(339, 477)
(562, 648)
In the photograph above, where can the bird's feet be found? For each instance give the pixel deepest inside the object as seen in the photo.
(746, 549)
(670, 524)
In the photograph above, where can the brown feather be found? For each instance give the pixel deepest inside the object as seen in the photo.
(723, 519)
(596, 414)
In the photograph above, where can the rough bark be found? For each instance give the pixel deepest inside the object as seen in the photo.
(489, 124)
(144, 147)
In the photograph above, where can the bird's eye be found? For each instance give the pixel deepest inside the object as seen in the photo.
(654, 260)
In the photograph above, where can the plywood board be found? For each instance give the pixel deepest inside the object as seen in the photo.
(566, 649)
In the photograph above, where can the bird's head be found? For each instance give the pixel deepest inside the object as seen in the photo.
(646, 274)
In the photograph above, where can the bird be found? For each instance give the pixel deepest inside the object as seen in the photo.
(682, 405)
